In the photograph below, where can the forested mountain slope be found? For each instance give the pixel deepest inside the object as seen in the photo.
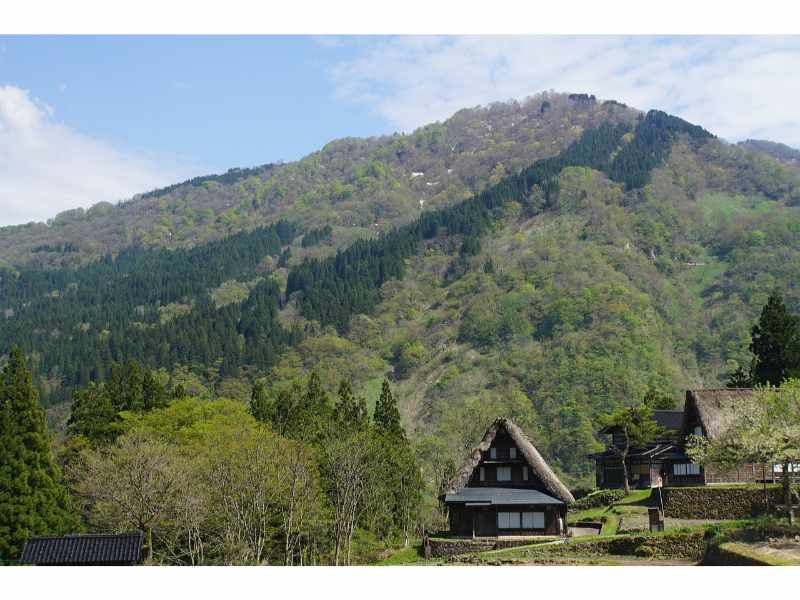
(781, 152)
(611, 254)
(358, 186)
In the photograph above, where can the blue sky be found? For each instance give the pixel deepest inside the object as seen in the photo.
(215, 101)
(89, 119)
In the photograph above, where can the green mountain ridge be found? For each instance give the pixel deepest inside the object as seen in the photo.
(556, 294)
(358, 186)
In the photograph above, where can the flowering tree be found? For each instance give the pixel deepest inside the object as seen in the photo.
(767, 430)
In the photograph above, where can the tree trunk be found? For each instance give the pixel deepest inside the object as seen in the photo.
(148, 555)
(625, 482)
(787, 492)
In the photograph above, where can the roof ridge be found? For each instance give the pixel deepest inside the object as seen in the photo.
(85, 535)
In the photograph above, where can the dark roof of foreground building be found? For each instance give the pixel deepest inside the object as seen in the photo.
(529, 452)
(89, 549)
(669, 419)
(494, 496)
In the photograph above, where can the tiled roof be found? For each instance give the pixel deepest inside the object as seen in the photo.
(488, 495)
(90, 549)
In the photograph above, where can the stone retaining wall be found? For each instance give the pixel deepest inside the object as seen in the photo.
(682, 545)
(716, 502)
(439, 547)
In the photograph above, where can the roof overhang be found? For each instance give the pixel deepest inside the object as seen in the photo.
(486, 496)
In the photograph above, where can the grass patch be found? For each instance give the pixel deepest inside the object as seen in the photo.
(633, 503)
(635, 497)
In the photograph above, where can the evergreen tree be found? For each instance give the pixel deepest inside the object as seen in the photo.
(350, 413)
(133, 393)
(154, 395)
(658, 400)
(387, 415)
(261, 406)
(93, 415)
(775, 343)
(739, 379)
(33, 500)
(178, 392)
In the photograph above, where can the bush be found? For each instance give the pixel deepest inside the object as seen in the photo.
(598, 498)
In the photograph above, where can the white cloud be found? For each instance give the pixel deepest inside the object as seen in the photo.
(46, 167)
(737, 87)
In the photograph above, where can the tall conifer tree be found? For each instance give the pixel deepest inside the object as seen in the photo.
(775, 343)
(33, 500)
(387, 415)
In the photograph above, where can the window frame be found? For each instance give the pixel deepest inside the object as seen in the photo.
(503, 470)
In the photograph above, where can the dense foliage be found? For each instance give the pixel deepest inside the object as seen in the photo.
(78, 322)
(297, 479)
(334, 289)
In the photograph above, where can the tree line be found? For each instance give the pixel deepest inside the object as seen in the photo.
(78, 322)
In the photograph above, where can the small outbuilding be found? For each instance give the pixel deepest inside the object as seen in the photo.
(505, 488)
(84, 549)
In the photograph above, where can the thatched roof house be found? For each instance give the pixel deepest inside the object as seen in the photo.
(706, 412)
(505, 487)
(713, 410)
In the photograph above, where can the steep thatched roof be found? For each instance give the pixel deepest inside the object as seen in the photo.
(716, 408)
(539, 467)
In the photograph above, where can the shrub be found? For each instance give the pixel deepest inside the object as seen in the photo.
(598, 498)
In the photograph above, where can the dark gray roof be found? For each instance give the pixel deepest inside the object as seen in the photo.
(90, 549)
(669, 419)
(490, 495)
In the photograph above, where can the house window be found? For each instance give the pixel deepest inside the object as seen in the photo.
(533, 520)
(508, 520)
(512, 453)
(525, 473)
(793, 468)
(503, 473)
(681, 469)
(492, 453)
(483, 474)
(698, 430)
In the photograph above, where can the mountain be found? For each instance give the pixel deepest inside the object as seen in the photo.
(568, 255)
(781, 152)
(358, 186)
